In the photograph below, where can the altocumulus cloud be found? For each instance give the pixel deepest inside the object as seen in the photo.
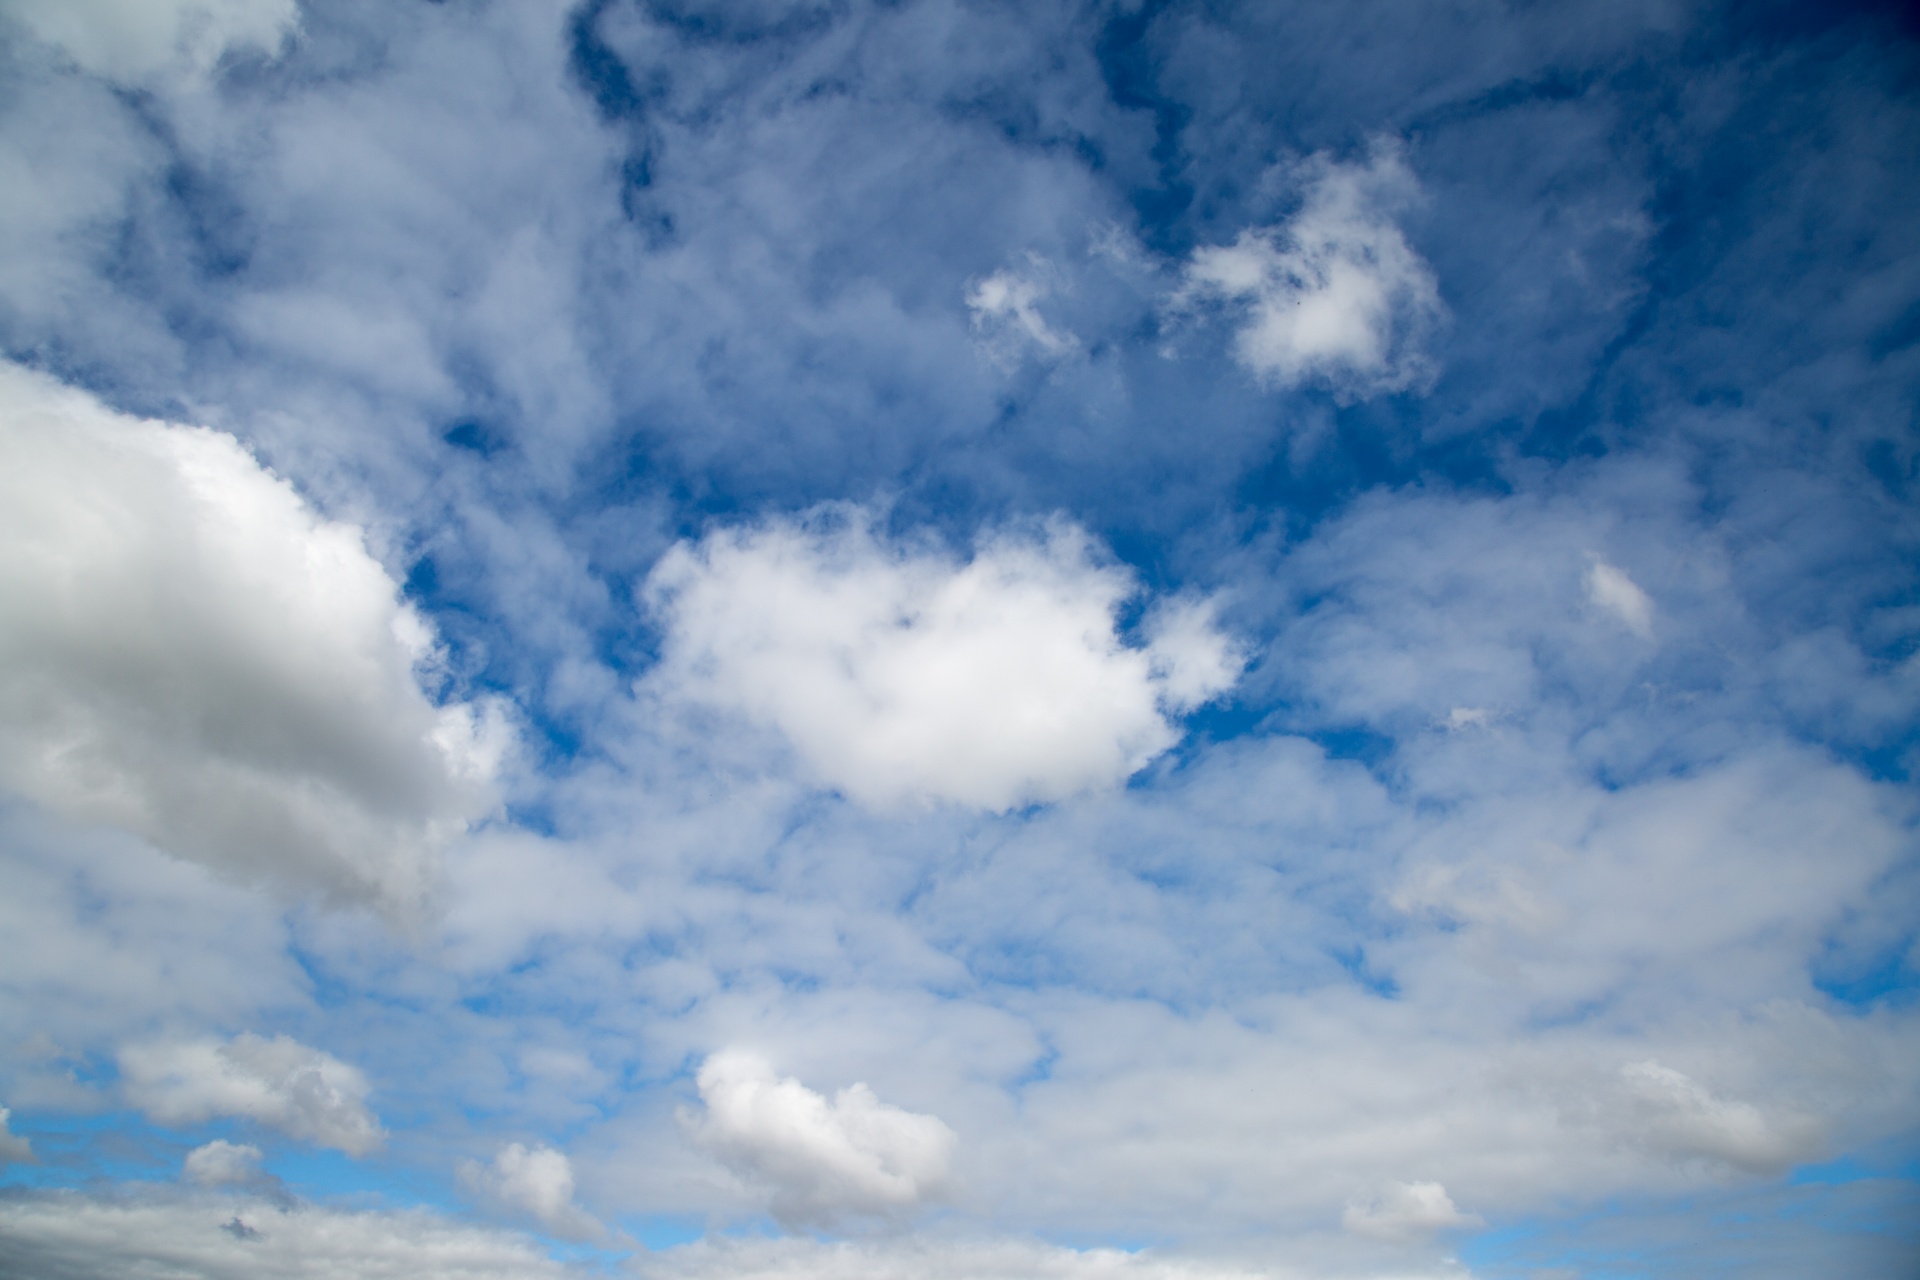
(189, 652)
(902, 674)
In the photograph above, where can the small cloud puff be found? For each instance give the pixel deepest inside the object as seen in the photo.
(281, 1083)
(901, 675)
(537, 1181)
(1611, 589)
(1406, 1212)
(1336, 294)
(1007, 317)
(14, 1149)
(818, 1159)
(222, 1164)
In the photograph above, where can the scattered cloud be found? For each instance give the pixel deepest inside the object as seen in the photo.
(1335, 294)
(222, 1164)
(1610, 588)
(281, 1083)
(903, 675)
(188, 651)
(537, 1181)
(135, 40)
(1404, 1212)
(818, 1159)
(1006, 314)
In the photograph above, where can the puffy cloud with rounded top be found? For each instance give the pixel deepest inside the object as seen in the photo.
(1336, 294)
(189, 652)
(281, 1083)
(1406, 1211)
(900, 674)
(536, 1181)
(221, 1163)
(819, 1159)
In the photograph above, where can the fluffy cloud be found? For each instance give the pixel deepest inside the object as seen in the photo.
(189, 652)
(536, 1181)
(819, 1159)
(14, 1149)
(221, 1163)
(1406, 1211)
(281, 1083)
(1336, 294)
(1673, 1115)
(901, 675)
(1611, 589)
(133, 39)
(74, 1237)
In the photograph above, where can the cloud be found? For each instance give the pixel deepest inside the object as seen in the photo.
(1403, 1212)
(132, 40)
(934, 1258)
(69, 1236)
(221, 1163)
(189, 652)
(902, 675)
(536, 1181)
(818, 1159)
(281, 1083)
(1006, 316)
(1335, 294)
(14, 1149)
(1611, 589)
(1673, 1115)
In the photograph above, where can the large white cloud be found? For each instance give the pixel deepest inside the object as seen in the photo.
(189, 652)
(1335, 294)
(301, 1091)
(819, 1158)
(901, 674)
(133, 39)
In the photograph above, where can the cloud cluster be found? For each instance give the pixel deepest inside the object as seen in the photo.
(537, 1181)
(189, 652)
(817, 1158)
(902, 675)
(1336, 294)
(301, 1091)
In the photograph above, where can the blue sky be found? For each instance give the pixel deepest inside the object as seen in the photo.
(835, 640)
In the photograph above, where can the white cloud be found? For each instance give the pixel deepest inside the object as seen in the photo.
(14, 1149)
(221, 1163)
(1673, 1115)
(1006, 313)
(819, 1159)
(130, 40)
(281, 1083)
(1611, 589)
(189, 652)
(1336, 294)
(900, 674)
(533, 1180)
(1406, 1212)
(932, 1258)
(69, 1236)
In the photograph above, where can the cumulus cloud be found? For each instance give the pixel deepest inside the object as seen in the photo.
(222, 1164)
(130, 40)
(1671, 1114)
(1610, 588)
(1404, 1212)
(189, 652)
(69, 1236)
(14, 1149)
(281, 1083)
(818, 1159)
(1335, 294)
(533, 1180)
(1006, 313)
(900, 674)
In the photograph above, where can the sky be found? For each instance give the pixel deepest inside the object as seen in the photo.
(844, 640)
